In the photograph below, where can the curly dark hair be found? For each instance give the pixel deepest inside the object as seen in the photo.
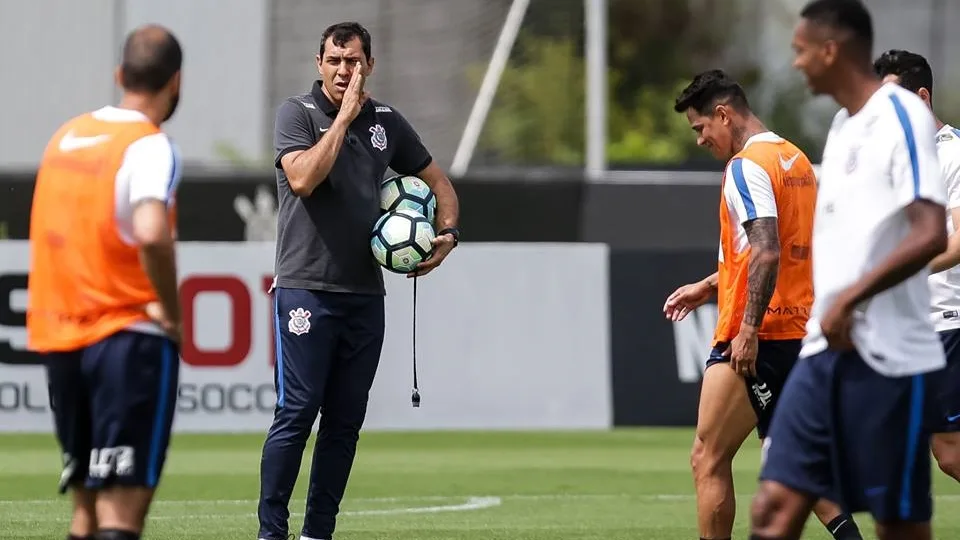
(710, 88)
(913, 69)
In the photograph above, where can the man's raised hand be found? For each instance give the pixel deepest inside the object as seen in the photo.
(355, 96)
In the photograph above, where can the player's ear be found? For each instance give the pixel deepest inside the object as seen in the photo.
(722, 113)
(830, 52)
(175, 81)
(118, 76)
(925, 95)
(370, 66)
(319, 63)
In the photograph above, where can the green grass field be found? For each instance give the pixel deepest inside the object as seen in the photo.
(624, 484)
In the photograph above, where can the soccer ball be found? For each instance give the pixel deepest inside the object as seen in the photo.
(407, 192)
(401, 240)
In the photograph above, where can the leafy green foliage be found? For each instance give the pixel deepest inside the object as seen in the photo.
(539, 110)
(655, 46)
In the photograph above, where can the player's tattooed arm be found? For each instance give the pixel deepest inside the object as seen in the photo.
(763, 267)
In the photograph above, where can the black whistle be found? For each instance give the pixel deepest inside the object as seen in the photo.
(415, 398)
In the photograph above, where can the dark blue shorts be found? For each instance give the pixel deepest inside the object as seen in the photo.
(775, 360)
(945, 387)
(846, 433)
(113, 405)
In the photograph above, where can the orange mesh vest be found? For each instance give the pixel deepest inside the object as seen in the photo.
(85, 282)
(795, 193)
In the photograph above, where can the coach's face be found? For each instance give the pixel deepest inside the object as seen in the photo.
(714, 131)
(336, 64)
(814, 55)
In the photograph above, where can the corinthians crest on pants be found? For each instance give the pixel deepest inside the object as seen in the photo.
(299, 321)
(378, 137)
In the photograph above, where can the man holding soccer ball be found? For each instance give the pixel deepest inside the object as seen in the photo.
(333, 147)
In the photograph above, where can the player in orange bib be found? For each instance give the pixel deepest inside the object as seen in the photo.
(103, 307)
(764, 288)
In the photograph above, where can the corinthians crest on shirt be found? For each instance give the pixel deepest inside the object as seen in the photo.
(299, 321)
(378, 137)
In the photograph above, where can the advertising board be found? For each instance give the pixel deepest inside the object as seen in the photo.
(510, 336)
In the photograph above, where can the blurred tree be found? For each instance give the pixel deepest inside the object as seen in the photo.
(539, 109)
(654, 48)
(649, 131)
(235, 158)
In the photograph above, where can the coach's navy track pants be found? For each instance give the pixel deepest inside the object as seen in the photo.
(328, 349)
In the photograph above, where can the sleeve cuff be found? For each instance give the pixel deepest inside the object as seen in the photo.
(285, 151)
(417, 170)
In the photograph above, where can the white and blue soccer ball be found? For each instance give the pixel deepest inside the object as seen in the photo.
(408, 193)
(401, 240)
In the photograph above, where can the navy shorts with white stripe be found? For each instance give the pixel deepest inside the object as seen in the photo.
(113, 405)
(846, 433)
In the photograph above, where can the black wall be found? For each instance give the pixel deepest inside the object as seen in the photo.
(626, 216)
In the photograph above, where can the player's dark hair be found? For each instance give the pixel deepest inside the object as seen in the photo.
(913, 69)
(344, 32)
(709, 89)
(845, 16)
(151, 57)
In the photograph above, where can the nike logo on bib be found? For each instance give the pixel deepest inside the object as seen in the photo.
(788, 164)
(71, 142)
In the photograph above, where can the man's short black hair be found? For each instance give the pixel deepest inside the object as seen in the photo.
(913, 69)
(846, 16)
(151, 57)
(344, 32)
(709, 89)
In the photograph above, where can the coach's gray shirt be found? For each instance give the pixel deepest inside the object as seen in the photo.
(323, 241)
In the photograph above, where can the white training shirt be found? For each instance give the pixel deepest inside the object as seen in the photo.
(945, 286)
(748, 182)
(875, 163)
(151, 169)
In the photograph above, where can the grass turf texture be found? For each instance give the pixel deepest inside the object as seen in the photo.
(623, 484)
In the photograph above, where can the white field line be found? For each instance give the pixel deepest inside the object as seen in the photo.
(426, 498)
(472, 503)
(293, 502)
